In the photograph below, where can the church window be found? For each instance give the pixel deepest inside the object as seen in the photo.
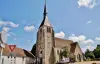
(40, 30)
(43, 33)
(78, 57)
(40, 52)
(49, 29)
(40, 37)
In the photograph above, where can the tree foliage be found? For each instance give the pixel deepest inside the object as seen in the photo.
(34, 50)
(97, 52)
(89, 54)
(65, 52)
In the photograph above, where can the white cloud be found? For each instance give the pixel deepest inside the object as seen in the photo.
(97, 38)
(29, 28)
(87, 3)
(8, 23)
(80, 39)
(6, 29)
(91, 48)
(77, 38)
(61, 34)
(11, 34)
(2, 23)
(89, 41)
(13, 24)
(88, 22)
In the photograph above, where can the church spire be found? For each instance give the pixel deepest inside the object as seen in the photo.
(45, 18)
(45, 10)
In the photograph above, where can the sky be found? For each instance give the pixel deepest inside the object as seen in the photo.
(76, 20)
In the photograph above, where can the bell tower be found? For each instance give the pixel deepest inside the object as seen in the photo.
(45, 40)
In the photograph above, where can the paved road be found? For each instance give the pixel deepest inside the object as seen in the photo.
(87, 62)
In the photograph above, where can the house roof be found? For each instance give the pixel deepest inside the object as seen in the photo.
(62, 42)
(18, 52)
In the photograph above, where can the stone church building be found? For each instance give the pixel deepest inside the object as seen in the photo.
(48, 47)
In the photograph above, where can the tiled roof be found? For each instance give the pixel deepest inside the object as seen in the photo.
(62, 42)
(17, 52)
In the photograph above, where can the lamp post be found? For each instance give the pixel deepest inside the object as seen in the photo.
(2, 47)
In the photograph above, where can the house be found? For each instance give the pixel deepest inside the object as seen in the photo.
(17, 56)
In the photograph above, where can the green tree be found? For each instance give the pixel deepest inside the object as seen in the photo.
(65, 52)
(97, 52)
(34, 50)
(89, 54)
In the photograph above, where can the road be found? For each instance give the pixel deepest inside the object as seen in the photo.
(87, 62)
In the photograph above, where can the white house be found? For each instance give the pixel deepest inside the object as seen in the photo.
(17, 56)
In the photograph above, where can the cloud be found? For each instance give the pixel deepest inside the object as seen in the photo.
(97, 38)
(89, 41)
(77, 38)
(5, 29)
(87, 3)
(13, 24)
(2, 23)
(80, 39)
(11, 34)
(91, 48)
(29, 28)
(61, 34)
(88, 22)
(8, 23)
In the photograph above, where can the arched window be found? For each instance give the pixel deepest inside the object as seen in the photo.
(40, 52)
(49, 29)
(8, 56)
(58, 52)
(40, 30)
(79, 57)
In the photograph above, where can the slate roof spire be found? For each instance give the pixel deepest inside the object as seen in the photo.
(45, 18)
(45, 11)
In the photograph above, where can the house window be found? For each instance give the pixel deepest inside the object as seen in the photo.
(57, 51)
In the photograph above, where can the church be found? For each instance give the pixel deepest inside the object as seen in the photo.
(49, 47)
